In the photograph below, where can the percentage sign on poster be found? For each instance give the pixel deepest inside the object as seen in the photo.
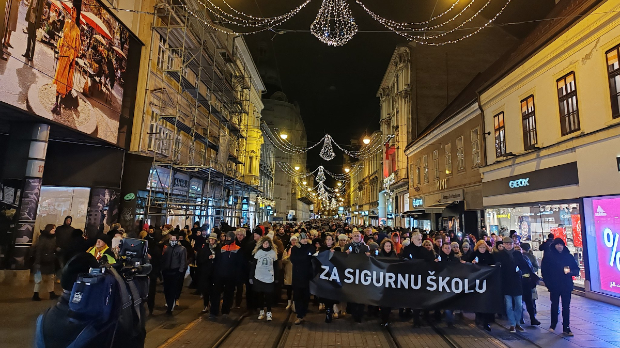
(611, 241)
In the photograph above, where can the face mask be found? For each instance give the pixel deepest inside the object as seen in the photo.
(173, 242)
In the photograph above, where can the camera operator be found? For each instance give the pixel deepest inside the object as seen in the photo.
(83, 318)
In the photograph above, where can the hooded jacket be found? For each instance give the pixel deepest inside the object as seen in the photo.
(63, 235)
(552, 268)
(397, 245)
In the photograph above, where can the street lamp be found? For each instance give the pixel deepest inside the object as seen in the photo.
(296, 167)
(346, 170)
(339, 184)
(366, 140)
(284, 136)
(304, 183)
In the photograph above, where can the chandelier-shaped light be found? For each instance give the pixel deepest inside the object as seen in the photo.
(320, 177)
(334, 24)
(327, 152)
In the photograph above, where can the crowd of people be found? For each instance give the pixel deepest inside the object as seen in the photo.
(273, 263)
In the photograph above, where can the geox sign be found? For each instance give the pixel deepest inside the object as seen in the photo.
(519, 183)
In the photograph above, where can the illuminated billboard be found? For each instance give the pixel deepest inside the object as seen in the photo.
(66, 61)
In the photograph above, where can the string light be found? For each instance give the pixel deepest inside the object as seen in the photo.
(327, 152)
(334, 25)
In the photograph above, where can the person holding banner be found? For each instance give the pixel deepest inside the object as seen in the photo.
(301, 258)
(416, 251)
(482, 256)
(357, 246)
(386, 252)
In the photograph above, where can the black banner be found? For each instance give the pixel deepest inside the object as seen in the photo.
(407, 284)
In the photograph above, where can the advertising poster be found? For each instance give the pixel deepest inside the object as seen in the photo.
(559, 232)
(607, 227)
(576, 224)
(66, 62)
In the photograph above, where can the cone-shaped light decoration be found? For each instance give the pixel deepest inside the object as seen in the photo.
(334, 24)
(327, 152)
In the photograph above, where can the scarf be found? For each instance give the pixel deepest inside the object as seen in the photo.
(356, 247)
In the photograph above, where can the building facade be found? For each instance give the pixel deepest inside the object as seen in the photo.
(553, 149)
(445, 182)
(364, 188)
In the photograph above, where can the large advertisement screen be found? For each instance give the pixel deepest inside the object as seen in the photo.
(603, 237)
(65, 60)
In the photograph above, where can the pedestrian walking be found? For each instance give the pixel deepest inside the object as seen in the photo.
(288, 271)
(154, 253)
(558, 269)
(301, 258)
(44, 265)
(447, 256)
(417, 250)
(64, 240)
(529, 280)
(206, 260)
(357, 246)
(174, 266)
(482, 256)
(263, 278)
(387, 252)
(226, 276)
(511, 284)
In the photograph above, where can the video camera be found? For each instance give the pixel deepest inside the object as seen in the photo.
(133, 258)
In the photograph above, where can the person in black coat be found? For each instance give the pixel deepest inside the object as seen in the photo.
(226, 276)
(64, 237)
(482, 256)
(511, 283)
(415, 251)
(447, 257)
(206, 260)
(357, 246)
(386, 251)
(558, 268)
(529, 280)
(44, 252)
(301, 258)
(174, 265)
(154, 254)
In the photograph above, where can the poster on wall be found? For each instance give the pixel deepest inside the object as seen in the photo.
(607, 228)
(576, 224)
(103, 210)
(66, 62)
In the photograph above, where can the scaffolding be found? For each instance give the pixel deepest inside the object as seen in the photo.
(197, 105)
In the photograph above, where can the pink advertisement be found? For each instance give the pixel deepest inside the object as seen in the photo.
(607, 226)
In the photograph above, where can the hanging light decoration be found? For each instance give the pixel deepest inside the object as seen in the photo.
(327, 152)
(334, 24)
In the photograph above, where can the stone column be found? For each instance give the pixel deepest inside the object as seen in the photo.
(27, 149)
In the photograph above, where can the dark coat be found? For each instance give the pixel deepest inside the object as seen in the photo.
(448, 258)
(204, 263)
(414, 252)
(63, 237)
(511, 278)
(45, 253)
(230, 262)
(552, 268)
(361, 248)
(154, 250)
(77, 245)
(174, 258)
(301, 258)
(484, 259)
(390, 255)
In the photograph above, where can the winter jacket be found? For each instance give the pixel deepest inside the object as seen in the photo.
(174, 258)
(230, 262)
(391, 255)
(63, 237)
(414, 252)
(357, 248)
(206, 264)
(156, 254)
(484, 259)
(288, 267)
(530, 256)
(511, 275)
(448, 258)
(301, 258)
(552, 268)
(45, 253)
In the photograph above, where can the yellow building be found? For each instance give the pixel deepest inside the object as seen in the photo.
(552, 120)
(197, 115)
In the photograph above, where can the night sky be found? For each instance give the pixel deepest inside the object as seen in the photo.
(336, 87)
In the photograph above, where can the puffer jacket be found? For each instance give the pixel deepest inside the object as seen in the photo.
(45, 253)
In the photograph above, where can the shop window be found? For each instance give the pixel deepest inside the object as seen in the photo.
(460, 154)
(529, 123)
(475, 146)
(418, 171)
(436, 164)
(425, 163)
(500, 134)
(448, 158)
(567, 98)
(613, 71)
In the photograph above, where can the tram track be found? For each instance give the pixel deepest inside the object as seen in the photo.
(279, 341)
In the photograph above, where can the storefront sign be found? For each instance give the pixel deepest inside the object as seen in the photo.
(451, 196)
(180, 184)
(417, 202)
(562, 175)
